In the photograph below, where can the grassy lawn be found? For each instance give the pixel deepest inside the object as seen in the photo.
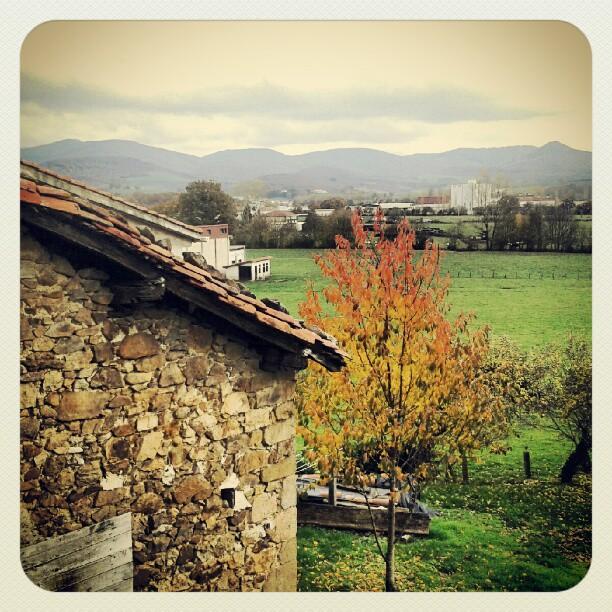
(532, 311)
(499, 532)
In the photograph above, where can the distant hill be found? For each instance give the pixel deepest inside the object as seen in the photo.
(123, 166)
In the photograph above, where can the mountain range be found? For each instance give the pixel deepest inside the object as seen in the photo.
(122, 166)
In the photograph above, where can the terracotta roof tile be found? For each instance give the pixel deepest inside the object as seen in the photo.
(27, 185)
(31, 197)
(129, 237)
(112, 196)
(60, 205)
(46, 190)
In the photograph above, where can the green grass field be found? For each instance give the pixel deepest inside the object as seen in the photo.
(499, 532)
(523, 301)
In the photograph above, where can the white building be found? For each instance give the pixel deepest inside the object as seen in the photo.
(249, 270)
(324, 212)
(278, 218)
(472, 195)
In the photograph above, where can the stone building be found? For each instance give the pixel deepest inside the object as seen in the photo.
(150, 386)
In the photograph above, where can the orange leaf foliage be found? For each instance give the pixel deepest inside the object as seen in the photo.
(415, 392)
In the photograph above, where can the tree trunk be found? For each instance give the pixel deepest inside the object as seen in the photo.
(465, 475)
(390, 559)
(579, 457)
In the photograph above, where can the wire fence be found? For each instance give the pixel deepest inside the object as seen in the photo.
(519, 275)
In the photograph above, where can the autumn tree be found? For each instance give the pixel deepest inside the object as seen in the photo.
(415, 390)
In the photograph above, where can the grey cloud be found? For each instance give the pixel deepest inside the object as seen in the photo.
(433, 105)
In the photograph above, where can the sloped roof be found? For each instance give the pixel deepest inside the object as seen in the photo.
(41, 175)
(58, 210)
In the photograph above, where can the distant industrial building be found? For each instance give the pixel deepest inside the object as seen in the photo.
(472, 195)
(438, 202)
(534, 200)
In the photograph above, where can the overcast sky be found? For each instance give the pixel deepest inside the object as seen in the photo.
(403, 87)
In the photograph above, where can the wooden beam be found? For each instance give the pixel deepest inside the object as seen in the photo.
(91, 240)
(142, 290)
(357, 518)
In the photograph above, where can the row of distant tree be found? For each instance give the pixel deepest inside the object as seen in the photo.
(317, 232)
(503, 225)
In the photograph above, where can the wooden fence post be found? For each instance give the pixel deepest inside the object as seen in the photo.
(332, 492)
(527, 463)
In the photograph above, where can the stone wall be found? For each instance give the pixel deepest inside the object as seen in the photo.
(143, 409)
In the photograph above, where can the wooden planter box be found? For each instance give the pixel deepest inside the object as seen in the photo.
(357, 517)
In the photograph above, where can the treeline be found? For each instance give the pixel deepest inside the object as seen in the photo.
(257, 232)
(507, 226)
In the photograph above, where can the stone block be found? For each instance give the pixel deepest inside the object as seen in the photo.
(171, 375)
(147, 421)
(148, 503)
(252, 460)
(196, 368)
(138, 378)
(276, 471)
(150, 364)
(63, 329)
(107, 378)
(199, 339)
(103, 352)
(192, 488)
(286, 525)
(288, 493)
(282, 579)
(277, 432)
(151, 443)
(29, 395)
(264, 505)
(276, 392)
(29, 427)
(255, 419)
(138, 345)
(235, 403)
(81, 405)
(69, 345)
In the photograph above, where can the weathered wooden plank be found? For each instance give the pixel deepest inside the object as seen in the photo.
(63, 580)
(88, 554)
(318, 492)
(358, 518)
(112, 577)
(94, 558)
(37, 554)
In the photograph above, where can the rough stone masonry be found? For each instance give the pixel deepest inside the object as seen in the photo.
(144, 409)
